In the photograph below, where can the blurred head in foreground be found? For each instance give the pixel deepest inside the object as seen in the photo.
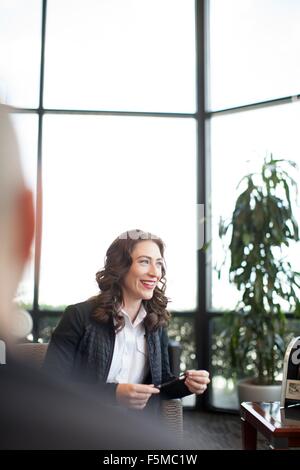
(36, 412)
(16, 221)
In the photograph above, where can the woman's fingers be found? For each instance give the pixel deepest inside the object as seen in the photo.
(197, 373)
(135, 395)
(141, 388)
(197, 381)
(195, 387)
(200, 376)
(144, 392)
(141, 396)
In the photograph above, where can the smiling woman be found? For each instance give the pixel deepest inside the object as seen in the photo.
(118, 338)
(134, 272)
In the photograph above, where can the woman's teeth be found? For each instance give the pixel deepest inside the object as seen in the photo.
(148, 284)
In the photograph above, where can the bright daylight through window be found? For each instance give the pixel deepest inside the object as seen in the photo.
(254, 65)
(102, 174)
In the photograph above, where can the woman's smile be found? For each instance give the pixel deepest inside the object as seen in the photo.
(149, 284)
(146, 261)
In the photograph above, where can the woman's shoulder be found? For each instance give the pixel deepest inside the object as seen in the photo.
(81, 311)
(76, 319)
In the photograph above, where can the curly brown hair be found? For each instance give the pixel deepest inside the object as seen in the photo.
(117, 264)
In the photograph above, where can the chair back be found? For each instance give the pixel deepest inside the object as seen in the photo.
(33, 354)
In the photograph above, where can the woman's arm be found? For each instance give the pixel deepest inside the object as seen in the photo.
(63, 345)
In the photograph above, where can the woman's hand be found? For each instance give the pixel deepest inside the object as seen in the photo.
(135, 395)
(197, 381)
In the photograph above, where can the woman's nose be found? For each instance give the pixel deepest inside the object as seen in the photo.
(154, 270)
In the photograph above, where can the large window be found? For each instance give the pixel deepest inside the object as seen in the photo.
(107, 126)
(254, 51)
(132, 55)
(103, 174)
(252, 110)
(111, 117)
(20, 52)
(239, 143)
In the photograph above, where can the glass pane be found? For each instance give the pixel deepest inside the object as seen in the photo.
(239, 143)
(104, 175)
(47, 325)
(26, 126)
(254, 51)
(223, 389)
(20, 50)
(182, 330)
(121, 55)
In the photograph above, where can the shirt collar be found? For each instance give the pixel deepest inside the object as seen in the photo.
(140, 316)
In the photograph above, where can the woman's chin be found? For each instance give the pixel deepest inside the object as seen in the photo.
(147, 295)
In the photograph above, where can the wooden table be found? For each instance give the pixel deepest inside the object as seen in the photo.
(281, 426)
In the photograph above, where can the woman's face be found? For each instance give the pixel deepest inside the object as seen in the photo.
(144, 273)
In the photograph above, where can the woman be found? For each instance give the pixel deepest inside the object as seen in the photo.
(119, 338)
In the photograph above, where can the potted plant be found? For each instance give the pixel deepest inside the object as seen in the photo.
(261, 227)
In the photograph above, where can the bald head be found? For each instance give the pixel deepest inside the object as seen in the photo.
(16, 220)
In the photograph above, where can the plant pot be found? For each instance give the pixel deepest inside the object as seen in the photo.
(249, 391)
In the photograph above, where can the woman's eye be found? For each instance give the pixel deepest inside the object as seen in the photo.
(144, 261)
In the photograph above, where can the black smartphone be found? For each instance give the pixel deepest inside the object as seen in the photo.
(174, 386)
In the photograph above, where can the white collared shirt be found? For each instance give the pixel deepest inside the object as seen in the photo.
(130, 359)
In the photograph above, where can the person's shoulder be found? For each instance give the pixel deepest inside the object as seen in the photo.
(81, 311)
(83, 307)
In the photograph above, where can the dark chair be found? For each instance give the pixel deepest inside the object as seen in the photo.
(174, 356)
(172, 409)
